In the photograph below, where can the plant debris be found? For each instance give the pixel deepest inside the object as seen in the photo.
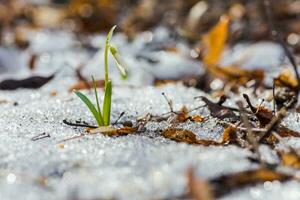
(232, 107)
(33, 82)
(220, 186)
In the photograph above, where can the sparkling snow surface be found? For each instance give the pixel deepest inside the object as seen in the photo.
(139, 166)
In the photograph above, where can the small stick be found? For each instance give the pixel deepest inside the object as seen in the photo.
(81, 77)
(71, 138)
(240, 128)
(252, 108)
(274, 100)
(78, 124)
(170, 103)
(40, 136)
(277, 35)
(273, 123)
(120, 116)
(228, 107)
(249, 134)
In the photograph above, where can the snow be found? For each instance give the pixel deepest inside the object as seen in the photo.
(138, 166)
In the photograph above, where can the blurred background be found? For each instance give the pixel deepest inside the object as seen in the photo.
(185, 18)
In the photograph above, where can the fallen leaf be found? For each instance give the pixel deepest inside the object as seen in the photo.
(236, 75)
(3, 101)
(82, 85)
(286, 132)
(112, 131)
(290, 159)
(32, 61)
(183, 135)
(229, 136)
(183, 115)
(53, 93)
(226, 183)
(33, 82)
(215, 41)
(286, 78)
(263, 115)
(199, 189)
(197, 118)
(219, 111)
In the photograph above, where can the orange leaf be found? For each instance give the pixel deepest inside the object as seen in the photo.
(199, 189)
(215, 41)
(82, 85)
(290, 159)
(183, 135)
(112, 131)
(197, 118)
(287, 79)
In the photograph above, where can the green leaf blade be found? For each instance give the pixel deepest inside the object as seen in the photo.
(91, 107)
(119, 62)
(107, 103)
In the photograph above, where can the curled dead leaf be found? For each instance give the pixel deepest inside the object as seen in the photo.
(215, 41)
(199, 189)
(197, 118)
(263, 115)
(226, 183)
(82, 85)
(290, 159)
(287, 79)
(183, 115)
(229, 136)
(112, 131)
(32, 82)
(219, 111)
(183, 135)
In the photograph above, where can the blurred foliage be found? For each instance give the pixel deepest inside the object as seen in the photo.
(189, 18)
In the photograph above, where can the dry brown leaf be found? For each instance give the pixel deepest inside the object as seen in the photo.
(263, 114)
(32, 61)
(197, 118)
(159, 82)
(287, 79)
(226, 183)
(286, 132)
(3, 101)
(82, 85)
(183, 115)
(112, 131)
(183, 135)
(53, 93)
(219, 111)
(229, 135)
(215, 41)
(199, 189)
(236, 74)
(290, 159)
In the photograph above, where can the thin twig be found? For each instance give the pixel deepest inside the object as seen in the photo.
(250, 135)
(241, 128)
(40, 136)
(81, 77)
(71, 138)
(170, 103)
(78, 124)
(120, 116)
(276, 34)
(228, 107)
(273, 123)
(274, 100)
